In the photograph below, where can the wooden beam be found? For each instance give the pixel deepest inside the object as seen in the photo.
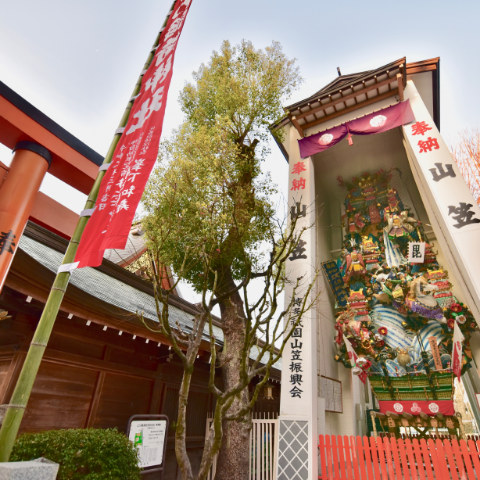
(375, 86)
(157, 392)
(422, 66)
(82, 304)
(294, 120)
(97, 392)
(400, 86)
(14, 369)
(425, 68)
(11, 377)
(74, 360)
(392, 415)
(352, 108)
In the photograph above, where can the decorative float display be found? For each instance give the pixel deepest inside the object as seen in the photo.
(397, 325)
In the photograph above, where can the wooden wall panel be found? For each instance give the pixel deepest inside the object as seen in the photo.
(78, 346)
(120, 398)
(170, 404)
(197, 410)
(4, 366)
(9, 337)
(60, 398)
(137, 359)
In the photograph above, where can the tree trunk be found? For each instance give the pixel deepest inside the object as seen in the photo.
(181, 428)
(233, 459)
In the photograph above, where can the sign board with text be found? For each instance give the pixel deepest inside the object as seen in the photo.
(149, 434)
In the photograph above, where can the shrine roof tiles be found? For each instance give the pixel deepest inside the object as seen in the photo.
(346, 94)
(113, 285)
(342, 81)
(109, 289)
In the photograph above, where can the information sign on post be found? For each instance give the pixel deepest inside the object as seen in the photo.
(149, 434)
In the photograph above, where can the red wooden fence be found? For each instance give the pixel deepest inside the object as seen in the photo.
(369, 458)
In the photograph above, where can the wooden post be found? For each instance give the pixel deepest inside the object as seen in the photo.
(21, 394)
(97, 391)
(372, 414)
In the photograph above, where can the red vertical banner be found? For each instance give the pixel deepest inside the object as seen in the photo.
(135, 155)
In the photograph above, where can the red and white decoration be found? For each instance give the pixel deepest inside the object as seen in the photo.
(351, 352)
(357, 370)
(376, 122)
(135, 155)
(430, 407)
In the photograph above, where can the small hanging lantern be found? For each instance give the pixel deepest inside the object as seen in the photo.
(268, 392)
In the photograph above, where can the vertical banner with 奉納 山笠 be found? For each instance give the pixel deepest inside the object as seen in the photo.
(452, 210)
(135, 155)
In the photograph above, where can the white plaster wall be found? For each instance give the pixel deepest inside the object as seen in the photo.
(329, 238)
(423, 82)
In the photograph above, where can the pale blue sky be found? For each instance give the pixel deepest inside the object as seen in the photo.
(78, 61)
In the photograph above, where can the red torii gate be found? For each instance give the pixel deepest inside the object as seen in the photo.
(39, 145)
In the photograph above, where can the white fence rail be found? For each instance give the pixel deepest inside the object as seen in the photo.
(263, 448)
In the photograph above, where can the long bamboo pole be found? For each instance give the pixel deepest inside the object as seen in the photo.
(23, 388)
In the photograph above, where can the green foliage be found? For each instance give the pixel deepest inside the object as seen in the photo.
(90, 454)
(208, 196)
(243, 86)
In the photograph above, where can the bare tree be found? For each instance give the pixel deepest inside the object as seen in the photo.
(466, 153)
(267, 329)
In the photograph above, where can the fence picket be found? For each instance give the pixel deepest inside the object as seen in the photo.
(341, 457)
(467, 458)
(264, 451)
(348, 451)
(321, 447)
(474, 455)
(451, 460)
(375, 459)
(270, 453)
(257, 450)
(368, 458)
(329, 459)
(411, 459)
(389, 457)
(357, 457)
(397, 466)
(419, 459)
(458, 458)
(427, 459)
(442, 459)
(250, 453)
(402, 449)
(381, 457)
(335, 458)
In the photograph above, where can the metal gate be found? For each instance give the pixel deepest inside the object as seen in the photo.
(263, 447)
